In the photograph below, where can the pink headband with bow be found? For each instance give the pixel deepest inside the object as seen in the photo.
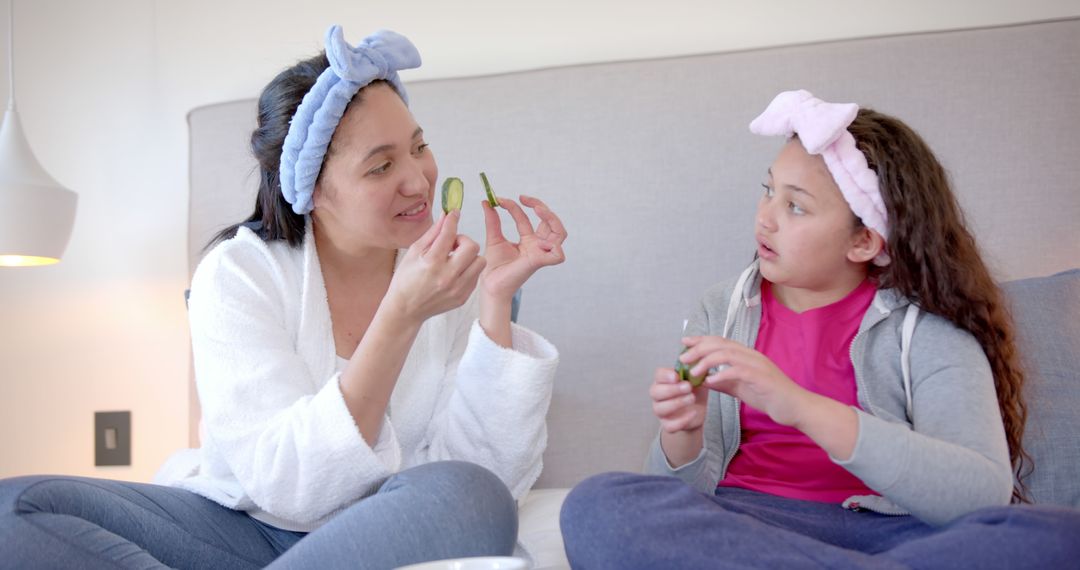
(822, 129)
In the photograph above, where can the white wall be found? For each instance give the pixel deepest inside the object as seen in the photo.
(104, 87)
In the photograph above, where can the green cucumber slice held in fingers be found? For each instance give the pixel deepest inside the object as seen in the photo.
(490, 193)
(453, 193)
(683, 371)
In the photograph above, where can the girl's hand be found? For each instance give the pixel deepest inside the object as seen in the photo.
(510, 264)
(678, 405)
(748, 375)
(437, 274)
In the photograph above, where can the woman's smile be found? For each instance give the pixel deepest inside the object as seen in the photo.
(415, 213)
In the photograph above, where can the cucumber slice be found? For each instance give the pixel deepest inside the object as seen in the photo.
(490, 193)
(453, 193)
(683, 371)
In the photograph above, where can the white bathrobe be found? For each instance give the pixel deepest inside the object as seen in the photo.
(278, 439)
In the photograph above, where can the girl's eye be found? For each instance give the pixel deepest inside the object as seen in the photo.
(422, 148)
(380, 169)
(768, 190)
(795, 208)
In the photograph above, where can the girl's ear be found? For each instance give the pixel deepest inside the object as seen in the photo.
(865, 245)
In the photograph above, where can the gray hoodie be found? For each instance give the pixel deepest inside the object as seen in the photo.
(949, 459)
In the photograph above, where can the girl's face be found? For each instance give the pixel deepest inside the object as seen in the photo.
(378, 180)
(804, 228)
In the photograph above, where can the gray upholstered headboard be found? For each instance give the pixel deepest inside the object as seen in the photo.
(652, 168)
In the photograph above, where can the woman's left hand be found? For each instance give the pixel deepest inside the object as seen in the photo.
(510, 264)
(748, 375)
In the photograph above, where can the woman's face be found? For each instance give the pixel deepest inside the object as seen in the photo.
(378, 181)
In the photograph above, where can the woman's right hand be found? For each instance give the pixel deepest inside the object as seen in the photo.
(438, 273)
(677, 404)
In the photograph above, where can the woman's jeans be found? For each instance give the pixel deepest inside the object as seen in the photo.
(439, 510)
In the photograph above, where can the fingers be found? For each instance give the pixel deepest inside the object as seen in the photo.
(521, 219)
(467, 279)
(667, 385)
(707, 341)
(556, 256)
(465, 253)
(447, 236)
(681, 420)
(721, 359)
(671, 406)
(552, 254)
(462, 271)
(724, 375)
(472, 274)
(424, 241)
(547, 237)
(461, 256)
(696, 348)
(669, 394)
(692, 341)
(705, 352)
(554, 224)
(492, 224)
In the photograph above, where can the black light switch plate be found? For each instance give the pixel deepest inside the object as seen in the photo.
(112, 438)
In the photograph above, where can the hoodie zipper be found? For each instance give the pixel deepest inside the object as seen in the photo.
(735, 335)
(859, 382)
(855, 366)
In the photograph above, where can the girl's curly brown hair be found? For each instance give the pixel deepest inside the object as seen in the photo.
(936, 263)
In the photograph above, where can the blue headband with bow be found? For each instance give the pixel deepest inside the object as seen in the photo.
(378, 56)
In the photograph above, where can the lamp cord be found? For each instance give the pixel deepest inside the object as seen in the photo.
(11, 55)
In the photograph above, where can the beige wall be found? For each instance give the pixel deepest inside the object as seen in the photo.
(103, 90)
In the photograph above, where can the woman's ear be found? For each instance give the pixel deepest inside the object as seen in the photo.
(318, 197)
(865, 245)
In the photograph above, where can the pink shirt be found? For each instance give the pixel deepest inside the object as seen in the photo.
(812, 348)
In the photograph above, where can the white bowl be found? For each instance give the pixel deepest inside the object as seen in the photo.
(476, 563)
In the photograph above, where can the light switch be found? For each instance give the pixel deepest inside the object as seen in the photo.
(112, 438)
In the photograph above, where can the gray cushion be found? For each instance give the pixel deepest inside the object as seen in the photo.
(1047, 315)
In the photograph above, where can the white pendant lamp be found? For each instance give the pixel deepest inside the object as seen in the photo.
(36, 212)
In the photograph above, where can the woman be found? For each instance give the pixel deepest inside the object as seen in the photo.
(365, 404)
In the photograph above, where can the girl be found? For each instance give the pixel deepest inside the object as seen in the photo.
(365, 404)
(861, 405)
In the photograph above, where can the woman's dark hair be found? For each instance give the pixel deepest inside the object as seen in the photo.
(273, 215)
(936, 263)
